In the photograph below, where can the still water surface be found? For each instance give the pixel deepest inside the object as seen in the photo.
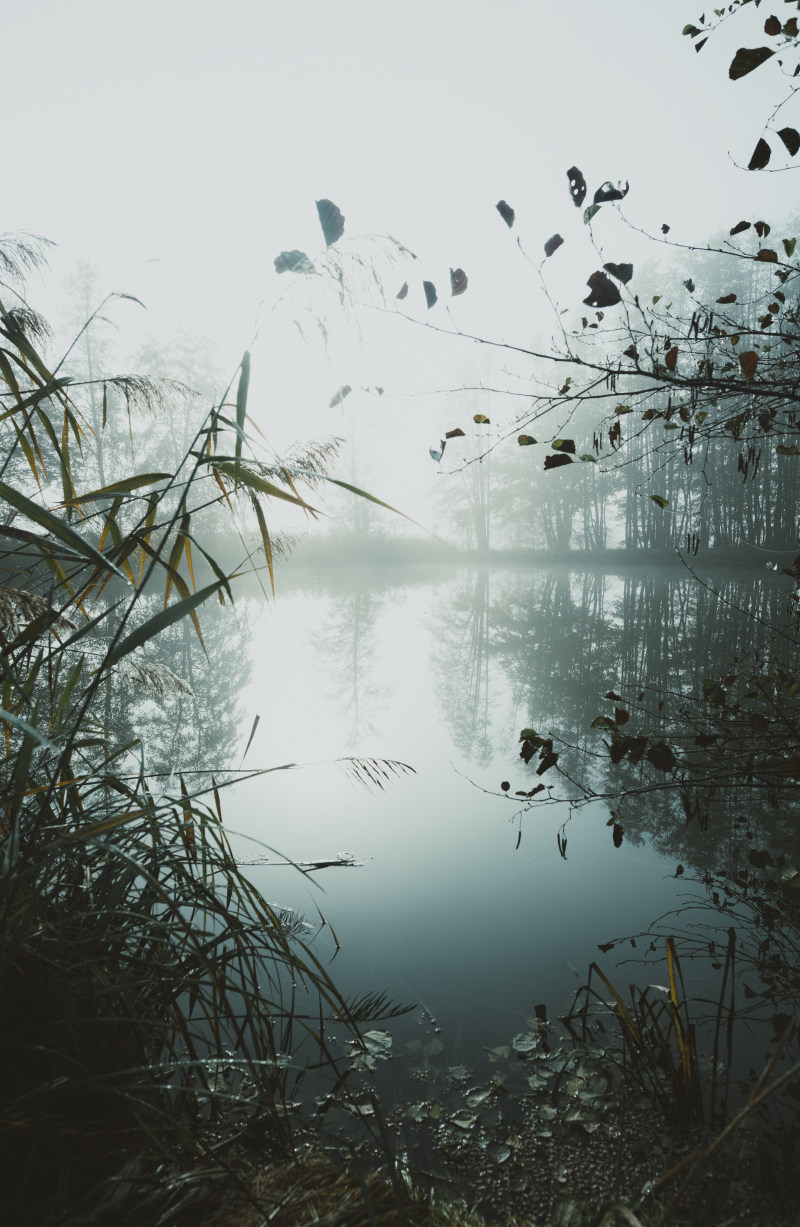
(459, 904)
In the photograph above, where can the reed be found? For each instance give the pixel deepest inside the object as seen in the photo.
(153, 1004)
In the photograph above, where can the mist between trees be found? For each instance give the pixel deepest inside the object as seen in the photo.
(151, 998)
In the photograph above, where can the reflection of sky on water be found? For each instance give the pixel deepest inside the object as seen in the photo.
(445, 910)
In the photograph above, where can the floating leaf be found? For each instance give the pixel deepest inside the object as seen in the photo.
(331, 221)
(761, 156)
(293, 262)
(671, 358)
(344, 391)
(772, 26)
(791, 139)
(402, 292)
(739, 227)
(563, 445)
(458, 282)
(726, 299)
(505, 785)
(746, 59)
(608, 192)
(603, 291)
(589, 213)
(481, 419)
(525, 440)
(783, 450)
(506, 212)
(577, 186)
(555, 462)
(498, 1152)
(659, 501)
(589, 457)
(665, 228)
(430, 293)
(553, 244)
(748, 361)
(454, 434)
(437, 455)
(617, 833)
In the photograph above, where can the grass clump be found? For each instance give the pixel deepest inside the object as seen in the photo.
(153, 1004)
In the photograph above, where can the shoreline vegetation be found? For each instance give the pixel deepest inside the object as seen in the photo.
(174, 1048)
(158, 1016)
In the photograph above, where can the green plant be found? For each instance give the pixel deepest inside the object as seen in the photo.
(148, 992)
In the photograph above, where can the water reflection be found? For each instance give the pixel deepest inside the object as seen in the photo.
(441, 669)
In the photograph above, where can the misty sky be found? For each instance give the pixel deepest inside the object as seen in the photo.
(179, 145)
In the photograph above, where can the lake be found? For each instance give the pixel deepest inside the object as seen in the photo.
(468, 904)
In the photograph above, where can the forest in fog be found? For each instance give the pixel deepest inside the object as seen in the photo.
(444, 508)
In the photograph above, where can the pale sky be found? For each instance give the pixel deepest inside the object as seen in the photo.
(180, 145)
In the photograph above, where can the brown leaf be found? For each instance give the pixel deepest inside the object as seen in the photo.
(603, 291)
(726, 298)
(665, 229)
(331, 221)
(403, 291)
(555, 462)
(577, 186)
(506, 212)
(454, 434)
(791, 139)
(748, 361)
(671, 358)
(458, 281)
(768, 255)
(553, 244)
(746, 59)
(761, 155)
(772, 26)
(617, 832)
(739, 227)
